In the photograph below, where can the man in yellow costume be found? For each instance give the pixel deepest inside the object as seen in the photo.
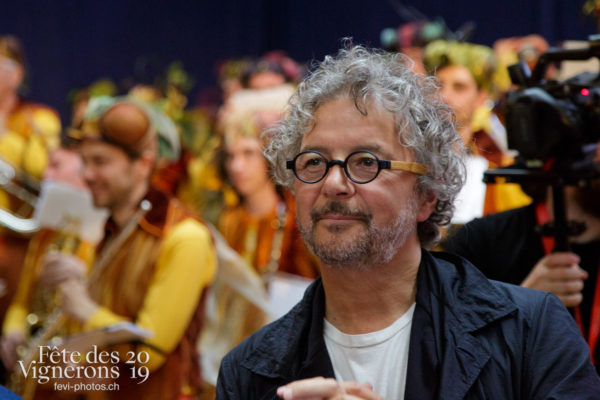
(151, 268)
(68, 222)
(466, 72)
(27, 132)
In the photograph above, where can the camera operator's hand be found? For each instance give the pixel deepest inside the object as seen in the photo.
(558, 273)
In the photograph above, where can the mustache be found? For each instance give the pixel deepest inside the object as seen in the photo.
(338, 208)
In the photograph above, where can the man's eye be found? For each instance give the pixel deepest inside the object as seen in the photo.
(364, 162)
(367, 161)
(460, 87)
(313, 162)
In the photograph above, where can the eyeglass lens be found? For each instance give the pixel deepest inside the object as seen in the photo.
(361, 166)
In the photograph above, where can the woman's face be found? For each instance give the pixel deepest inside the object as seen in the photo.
(246, 166)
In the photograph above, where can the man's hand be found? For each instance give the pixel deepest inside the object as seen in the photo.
(322, 388)
(558, 273)
(8, 348)
(58, 268)
(75, 300)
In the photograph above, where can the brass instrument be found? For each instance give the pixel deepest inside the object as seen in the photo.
(25, 188)
(46, 320)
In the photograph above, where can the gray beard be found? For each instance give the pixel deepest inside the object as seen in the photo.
(373, 246)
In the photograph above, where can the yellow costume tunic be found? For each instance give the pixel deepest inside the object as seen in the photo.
(156, 280)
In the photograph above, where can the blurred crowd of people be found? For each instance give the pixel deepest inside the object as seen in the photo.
(145, 210)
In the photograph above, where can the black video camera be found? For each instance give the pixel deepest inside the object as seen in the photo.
(555, 125)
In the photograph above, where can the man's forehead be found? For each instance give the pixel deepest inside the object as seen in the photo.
(341, 127)
(456, 72)
(98, 147)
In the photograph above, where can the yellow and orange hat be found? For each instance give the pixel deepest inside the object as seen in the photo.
(124, 124)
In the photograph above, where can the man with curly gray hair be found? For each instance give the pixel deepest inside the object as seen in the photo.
(375, 163)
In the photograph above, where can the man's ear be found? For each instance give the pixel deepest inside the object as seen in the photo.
(427, 205)
(146, 163)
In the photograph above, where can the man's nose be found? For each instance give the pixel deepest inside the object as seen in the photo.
(88, 173)
(236, 164)
(336, 183)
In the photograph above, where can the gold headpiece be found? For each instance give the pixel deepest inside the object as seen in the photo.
(479, 59)
(248, 112)
(124, 125)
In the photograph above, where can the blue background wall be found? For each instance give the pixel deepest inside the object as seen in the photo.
(72, 43)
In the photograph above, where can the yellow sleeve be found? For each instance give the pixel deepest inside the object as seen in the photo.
(504, 196)
(186, 265)
(12, 146)
(35, 157)
(48, 125)
(47, 137)
(15, 319)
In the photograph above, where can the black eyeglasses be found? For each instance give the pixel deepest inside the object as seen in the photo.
(360, 166)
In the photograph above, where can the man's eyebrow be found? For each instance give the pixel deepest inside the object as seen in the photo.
(369, 147)
(379, 151)
(320, 149)
(374, 148)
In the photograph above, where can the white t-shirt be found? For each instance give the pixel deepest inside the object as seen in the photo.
(380, 358)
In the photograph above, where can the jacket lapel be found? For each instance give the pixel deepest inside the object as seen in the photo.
(295, 348)
(454, 301)
(317, 362)
(423, 363)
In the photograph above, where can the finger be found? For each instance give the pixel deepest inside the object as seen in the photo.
(571, 300)
(69, 286)
(52, 278)
(361, 390)
(309, 388)
(352, 397)
(51, 256)
(561, 259)
(566, 287)
(573, 272)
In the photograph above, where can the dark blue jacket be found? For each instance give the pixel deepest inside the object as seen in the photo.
(471, 338)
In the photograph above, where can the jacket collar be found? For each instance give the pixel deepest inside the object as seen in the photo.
(153, 222)
(465, 293)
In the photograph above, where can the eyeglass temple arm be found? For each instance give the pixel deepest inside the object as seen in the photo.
(414, 167)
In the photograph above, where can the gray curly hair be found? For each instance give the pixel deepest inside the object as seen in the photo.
(423, 122)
